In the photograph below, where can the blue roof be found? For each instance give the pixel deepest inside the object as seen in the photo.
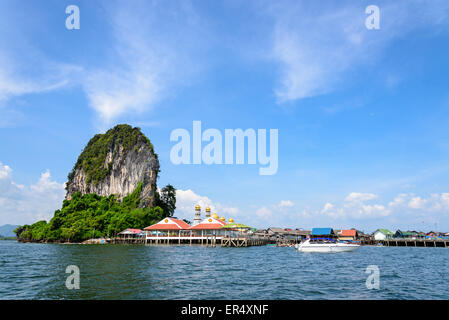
(321, 231)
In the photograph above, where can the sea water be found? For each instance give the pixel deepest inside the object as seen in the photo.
(38, 271)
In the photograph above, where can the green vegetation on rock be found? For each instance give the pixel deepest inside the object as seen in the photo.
(92, 159)
(92, 216)
(94, 206)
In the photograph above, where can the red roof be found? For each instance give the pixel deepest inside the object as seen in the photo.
(209, 224)
(169, 224)
(134, 230)
(130, 230)
(348, 233)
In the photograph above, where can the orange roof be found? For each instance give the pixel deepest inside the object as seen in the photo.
(348, 233)
(209, 224)
(169, 224)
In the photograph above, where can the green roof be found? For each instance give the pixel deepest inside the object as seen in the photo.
(408, 233)
(385, 231)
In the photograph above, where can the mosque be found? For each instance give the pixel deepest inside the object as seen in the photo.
(205, 230)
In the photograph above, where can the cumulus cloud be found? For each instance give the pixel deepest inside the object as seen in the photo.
(355, 206)
(276, 214)
(398, 200)
(286, 204)
(417, 203)
(360, 206)
(5, 171)
(23, 204)
(327, 207)
(264, 212)
(436, 202)
(357, 196)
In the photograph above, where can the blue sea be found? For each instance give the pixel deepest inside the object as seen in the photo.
(38, 271)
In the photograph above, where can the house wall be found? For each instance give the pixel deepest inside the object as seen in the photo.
(346, 238)
(379, 236)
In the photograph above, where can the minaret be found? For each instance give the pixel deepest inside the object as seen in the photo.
(207, 212)
(197, 218)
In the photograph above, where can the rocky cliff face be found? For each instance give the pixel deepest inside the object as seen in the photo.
(115, 163)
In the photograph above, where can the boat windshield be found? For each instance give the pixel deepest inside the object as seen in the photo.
(322, 240)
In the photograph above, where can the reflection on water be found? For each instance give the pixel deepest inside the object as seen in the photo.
(37, 271)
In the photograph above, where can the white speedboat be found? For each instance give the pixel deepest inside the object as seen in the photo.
(325, 246)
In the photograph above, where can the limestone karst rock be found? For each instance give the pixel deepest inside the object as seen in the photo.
(115, 163)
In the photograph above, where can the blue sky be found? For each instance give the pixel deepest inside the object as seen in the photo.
(362, 114)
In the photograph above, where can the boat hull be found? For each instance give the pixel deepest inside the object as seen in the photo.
(327, 248)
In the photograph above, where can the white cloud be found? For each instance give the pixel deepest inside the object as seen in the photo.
(374, 211)
(356, 209)
(52, 76)
(317, 46)
(186, 200)
(445, 200)
(156, 49)
(5, 171)
(277, 214)
(24, 68)
(20, 204)
(264, 212)
(358, 196)
(354, 206)
(327, 207)
(417, 203)
(405, 205)
(434, 204)
(111, 95)
(286, 204)
(398, 200)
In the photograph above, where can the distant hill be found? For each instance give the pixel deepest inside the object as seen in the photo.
(7, 230)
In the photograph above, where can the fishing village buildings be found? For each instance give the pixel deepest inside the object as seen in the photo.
(213, 230)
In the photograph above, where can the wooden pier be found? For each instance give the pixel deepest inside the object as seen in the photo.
(129, 241)
(244, 242)
(209, 241)
(427, 243)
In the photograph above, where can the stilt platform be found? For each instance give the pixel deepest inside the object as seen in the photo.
(427, 243)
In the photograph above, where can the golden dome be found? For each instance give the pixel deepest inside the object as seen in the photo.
(215, 215)
(207, 209)
(197, 207)
(231, 220)
(222, 219)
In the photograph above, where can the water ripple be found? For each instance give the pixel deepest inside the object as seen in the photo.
(37, 271)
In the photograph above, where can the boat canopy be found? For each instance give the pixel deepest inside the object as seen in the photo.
(322, 231)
